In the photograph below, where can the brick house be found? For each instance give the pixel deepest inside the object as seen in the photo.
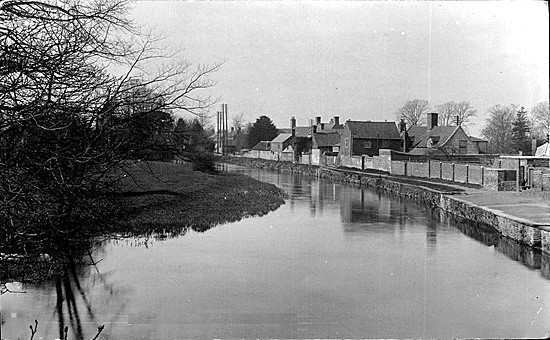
(367, 138)
(424, 140)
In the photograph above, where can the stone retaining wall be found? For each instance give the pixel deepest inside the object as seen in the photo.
(513, 228)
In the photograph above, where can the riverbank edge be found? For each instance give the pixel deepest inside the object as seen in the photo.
(520, 230)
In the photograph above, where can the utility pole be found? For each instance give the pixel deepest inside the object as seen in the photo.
(218, 131)
(226, 132)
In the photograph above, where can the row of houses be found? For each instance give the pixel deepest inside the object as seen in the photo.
(367, 138)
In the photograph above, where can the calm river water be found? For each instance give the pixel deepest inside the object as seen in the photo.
(335, 260)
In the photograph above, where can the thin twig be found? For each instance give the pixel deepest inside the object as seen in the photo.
(99, 330)
(33, 331)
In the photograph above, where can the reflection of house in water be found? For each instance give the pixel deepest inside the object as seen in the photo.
(365, 211)
(360, 207)
(318, 193)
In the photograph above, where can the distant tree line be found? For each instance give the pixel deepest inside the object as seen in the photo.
(510, 129)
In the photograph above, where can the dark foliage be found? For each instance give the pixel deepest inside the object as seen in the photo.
(68, 126)
(262, 130)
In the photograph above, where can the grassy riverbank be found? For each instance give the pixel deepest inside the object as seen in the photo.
(170, 198)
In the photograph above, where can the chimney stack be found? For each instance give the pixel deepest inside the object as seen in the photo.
(432, 120)
(457, 120)
(403, 132)
(317, 120)
(402, 125)
(336, 120)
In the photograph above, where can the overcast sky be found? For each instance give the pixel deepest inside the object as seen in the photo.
(360, 60)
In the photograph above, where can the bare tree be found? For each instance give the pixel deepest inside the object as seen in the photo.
(498, 128)
(413, 111)
(66, 120)
(464, 113)
(540, 120)
(453, 113)
(446, 112)
(238, 122)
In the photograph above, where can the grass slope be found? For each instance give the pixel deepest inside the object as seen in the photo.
(167, 197)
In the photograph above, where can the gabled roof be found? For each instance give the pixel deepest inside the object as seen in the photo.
(325, 139)
(373, 130)
(440, 135)
(262, 146)
(281, 138)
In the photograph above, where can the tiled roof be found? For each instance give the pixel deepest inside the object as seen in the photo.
(382, 130)
(419, 135)
(281, 138)
(262, 146)
(326, 139)
(301, 131)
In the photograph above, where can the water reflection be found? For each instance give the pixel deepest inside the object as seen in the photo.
(335, 261)
(66, 281)
(365, 210)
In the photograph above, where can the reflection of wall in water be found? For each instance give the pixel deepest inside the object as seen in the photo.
(530, 257)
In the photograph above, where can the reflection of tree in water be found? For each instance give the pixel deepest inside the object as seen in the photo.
(60, 266)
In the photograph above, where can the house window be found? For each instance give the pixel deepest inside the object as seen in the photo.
(368, 145)
(462, 146)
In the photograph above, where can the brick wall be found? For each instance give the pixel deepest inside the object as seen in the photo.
(268, 155)
(490, 179)
(546, 182)
(537, 179)
(506, 163)
(398, 168)
(383, 161)
(447, 171)
(252, 154)
(475, 174)
(330, 160)
(315, 156)
(435, 169)
(287, 157)
(368, 162)
(351, 162)
(461, 173)
(417, 169)
(499, 180)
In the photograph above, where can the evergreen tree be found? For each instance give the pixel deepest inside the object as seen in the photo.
(520, 133)
(263, 129)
